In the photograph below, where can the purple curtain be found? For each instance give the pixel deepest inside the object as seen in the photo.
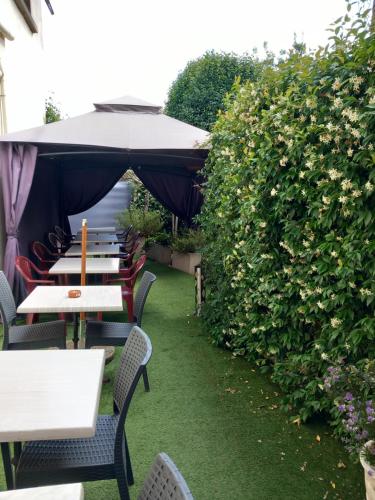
(179, 192)
(17, 165)
(84, 183)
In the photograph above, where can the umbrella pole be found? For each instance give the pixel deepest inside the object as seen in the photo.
(83, 275)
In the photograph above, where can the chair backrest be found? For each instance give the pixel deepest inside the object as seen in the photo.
(140, 299)
(56, 243)
(132, 241)
(165, 482)
(42, 253)
(26, 268)
(62, 235)
(123, 235)
(7, 307)
(136, 268)
(134, 358)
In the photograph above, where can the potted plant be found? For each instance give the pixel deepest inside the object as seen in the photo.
(147, 223)
(186, 250)
(353, 391)
(159, 248)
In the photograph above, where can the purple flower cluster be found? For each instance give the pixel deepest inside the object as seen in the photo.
(347, 385)
(334, 376)
(370, 412)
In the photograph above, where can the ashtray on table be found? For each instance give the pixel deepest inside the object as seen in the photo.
(74, 294)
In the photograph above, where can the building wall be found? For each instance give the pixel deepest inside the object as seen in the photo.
(23, 79)
(22, 63)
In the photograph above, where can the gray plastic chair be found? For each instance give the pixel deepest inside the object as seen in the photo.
(165, 482)
(103, 333)
(104, 456)
(36, 336)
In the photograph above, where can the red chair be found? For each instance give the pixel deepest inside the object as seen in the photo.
(26, 268)
(130, 248)
(44, 255)
(127, 281)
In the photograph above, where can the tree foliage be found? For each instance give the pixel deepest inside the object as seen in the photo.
(52, 112)
(198, 92)
(289, 215)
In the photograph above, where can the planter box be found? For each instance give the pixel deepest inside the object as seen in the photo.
(186, 262)
(159, 253)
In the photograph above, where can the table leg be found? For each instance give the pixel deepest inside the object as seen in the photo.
(5, 452)
(75, 331)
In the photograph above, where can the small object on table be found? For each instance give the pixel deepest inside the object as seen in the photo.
(74, 294)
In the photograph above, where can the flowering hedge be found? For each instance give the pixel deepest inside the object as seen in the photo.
(289, 216)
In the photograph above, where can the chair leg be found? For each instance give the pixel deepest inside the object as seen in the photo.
(122, 485)
(145, 380)
(32, 318)
(99, 316)
(129, 303)
(129, 470)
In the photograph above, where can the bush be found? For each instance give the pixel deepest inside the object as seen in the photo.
(147, 223)
(189, 241)
(289, 216)
(198, 92)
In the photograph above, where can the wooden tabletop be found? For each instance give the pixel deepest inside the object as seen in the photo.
(49, 394)
(48, 299)
(92, 249)
(72, 265)
(59, 492)
(96, 238)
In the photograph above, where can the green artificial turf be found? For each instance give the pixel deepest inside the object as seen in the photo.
(218, 417)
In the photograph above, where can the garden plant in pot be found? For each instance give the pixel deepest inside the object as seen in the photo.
(146, 223)
(186, 250)
(352, 389)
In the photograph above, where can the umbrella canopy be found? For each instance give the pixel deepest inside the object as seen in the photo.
(126, 126)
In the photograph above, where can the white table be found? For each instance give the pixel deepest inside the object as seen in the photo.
(48, 394)
(59, 492)
(72, 265)
(98, 230)
(96, 238)
(48, 299)
(93, 250)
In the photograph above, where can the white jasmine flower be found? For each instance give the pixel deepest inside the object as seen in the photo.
(283, 161)
(326, 200)
(336, 84)
(334, 174)
(273, 192)
(335, 322)
(346, 184)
